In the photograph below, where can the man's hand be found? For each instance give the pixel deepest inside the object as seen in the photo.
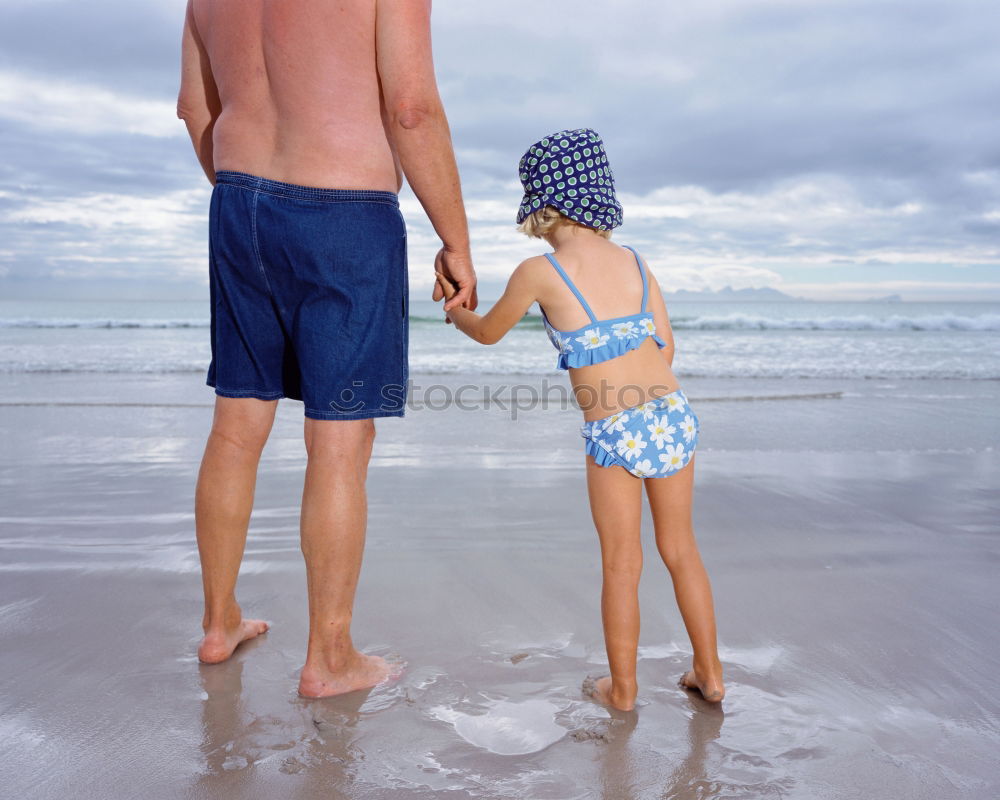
(459, 271)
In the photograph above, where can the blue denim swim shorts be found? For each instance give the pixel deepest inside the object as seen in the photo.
(309, 296)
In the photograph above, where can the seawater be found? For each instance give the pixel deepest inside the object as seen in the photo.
(959, 341)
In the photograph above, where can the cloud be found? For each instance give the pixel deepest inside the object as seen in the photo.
(100, 236)
(86, 110)
(123, 45)
(821, 143)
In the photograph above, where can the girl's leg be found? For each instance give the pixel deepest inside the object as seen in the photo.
(670, 502)
(616, 505)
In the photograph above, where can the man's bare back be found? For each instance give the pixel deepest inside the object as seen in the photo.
(329, 94)
(299, 91)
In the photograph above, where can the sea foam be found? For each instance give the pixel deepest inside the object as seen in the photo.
(894, 322)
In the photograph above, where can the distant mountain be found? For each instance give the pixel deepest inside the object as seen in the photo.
(889, 298)
(728, 294)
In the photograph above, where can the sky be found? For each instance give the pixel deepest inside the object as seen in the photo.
(831, 149)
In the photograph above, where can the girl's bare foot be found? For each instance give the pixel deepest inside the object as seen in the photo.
(601, 690)
(707, 682)
(359, 672)
(219, 644)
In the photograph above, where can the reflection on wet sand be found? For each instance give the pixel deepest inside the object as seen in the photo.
(313, 739)
(689, 780)
(839, 569)
(618, 769)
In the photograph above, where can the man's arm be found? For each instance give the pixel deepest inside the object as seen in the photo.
(198, 101)
(419, 130)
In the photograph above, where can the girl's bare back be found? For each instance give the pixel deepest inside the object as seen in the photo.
(606, 275)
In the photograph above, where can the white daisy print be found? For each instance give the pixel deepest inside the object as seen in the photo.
(687, 428)
(593, 338)
(674, 403)
(647, 410)
(646, 324)
(624, 330)
(643, 469)
(616, 423)
(564, 345)
(661, 432)
(674, 457)
(631, 445)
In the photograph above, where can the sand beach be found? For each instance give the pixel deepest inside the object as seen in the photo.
(852, 548)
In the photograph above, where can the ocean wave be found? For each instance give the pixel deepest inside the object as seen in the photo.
(529, 321)
(432, 367)
(739, 321)
(65, 322)
(895, 322)
(63, 367)
(725, 322)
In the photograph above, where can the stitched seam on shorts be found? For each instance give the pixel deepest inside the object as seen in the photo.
(328, 199)
(248, 393)
(333, 415)
(404, 335)
(256, 244)
(244, 180)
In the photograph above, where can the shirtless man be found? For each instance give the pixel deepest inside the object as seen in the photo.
(304, 115)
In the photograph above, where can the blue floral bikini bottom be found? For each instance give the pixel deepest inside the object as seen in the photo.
(652, 440)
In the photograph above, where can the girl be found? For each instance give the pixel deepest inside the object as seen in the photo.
(604, 313)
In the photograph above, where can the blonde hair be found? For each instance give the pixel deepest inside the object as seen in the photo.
(542, 222)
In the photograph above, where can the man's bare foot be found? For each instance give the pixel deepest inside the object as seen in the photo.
(600, 690)
(708, 684)
(361, 672)
(218, 645)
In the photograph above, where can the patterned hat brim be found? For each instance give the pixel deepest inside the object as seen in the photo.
(569, 171)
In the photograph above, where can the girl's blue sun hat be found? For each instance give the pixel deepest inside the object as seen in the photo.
(569, 170)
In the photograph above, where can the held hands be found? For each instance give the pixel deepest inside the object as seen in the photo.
(446, 289)
(457, 270)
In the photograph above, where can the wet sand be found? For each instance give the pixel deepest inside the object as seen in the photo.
(852, 543)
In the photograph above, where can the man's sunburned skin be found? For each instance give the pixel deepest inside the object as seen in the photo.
(271, 61)
(333, 94)
(217, 647)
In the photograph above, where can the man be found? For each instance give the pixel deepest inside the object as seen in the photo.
(304, 115)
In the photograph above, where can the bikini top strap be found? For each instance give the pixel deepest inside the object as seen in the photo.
(572, 286)
(645, 280)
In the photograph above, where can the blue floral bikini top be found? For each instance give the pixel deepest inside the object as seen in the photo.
(604, 339)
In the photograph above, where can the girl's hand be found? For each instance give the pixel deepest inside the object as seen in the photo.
(448, 289)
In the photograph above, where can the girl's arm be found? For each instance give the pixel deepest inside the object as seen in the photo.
(517, 298)
(660, 318)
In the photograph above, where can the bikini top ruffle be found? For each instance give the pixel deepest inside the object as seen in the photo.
(601, 340)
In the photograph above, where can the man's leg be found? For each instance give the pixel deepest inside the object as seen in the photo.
(334, 516)
(223, 502)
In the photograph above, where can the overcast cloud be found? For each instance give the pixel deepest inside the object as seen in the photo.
(829, 149)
